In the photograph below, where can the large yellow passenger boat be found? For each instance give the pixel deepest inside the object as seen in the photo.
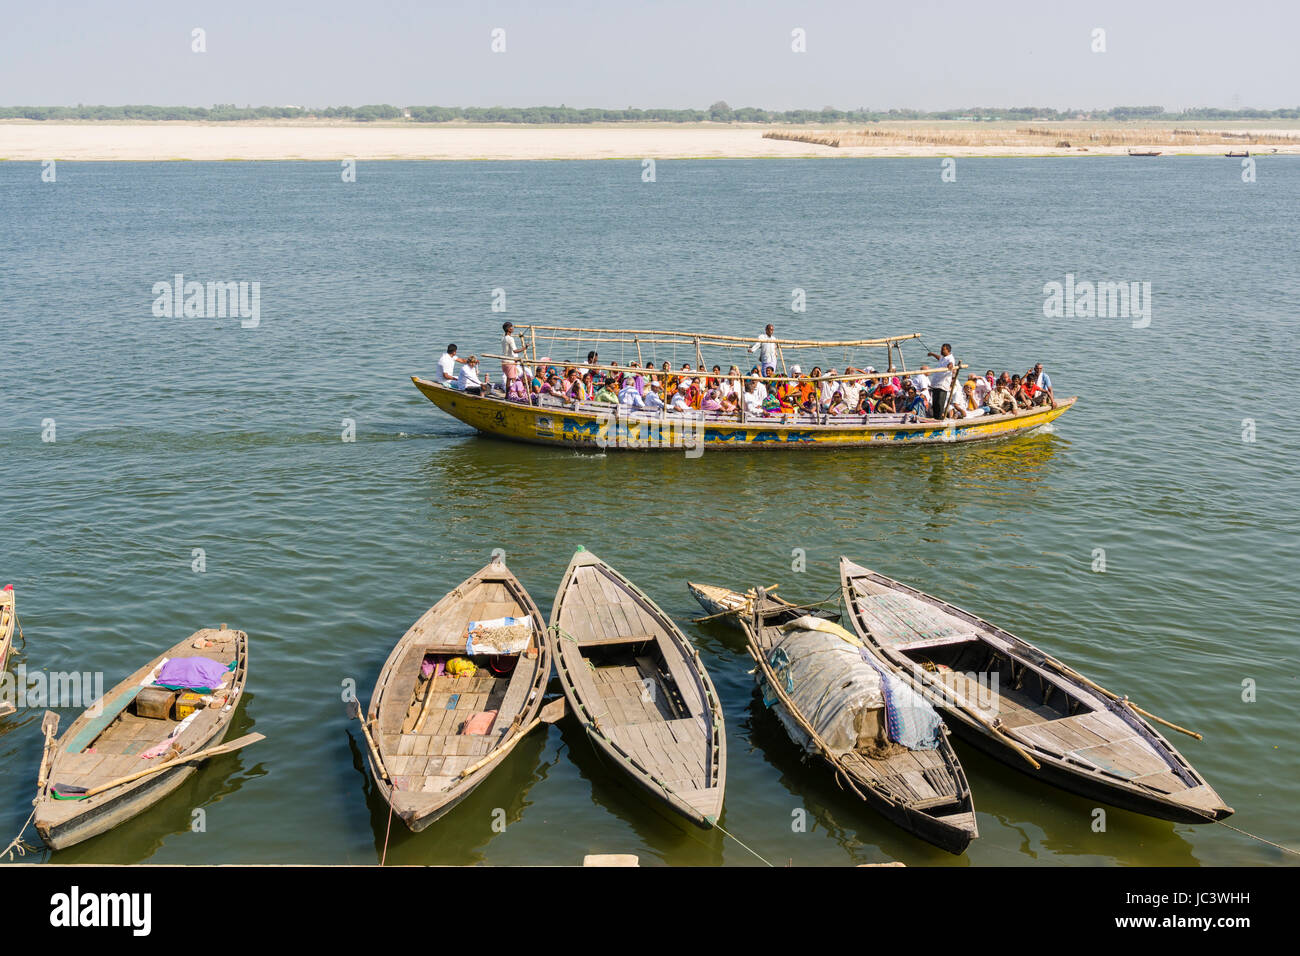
(599, 425)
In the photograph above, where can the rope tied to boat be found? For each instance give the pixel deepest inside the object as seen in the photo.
(18, 845)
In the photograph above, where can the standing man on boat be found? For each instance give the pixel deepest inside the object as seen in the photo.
(510, 348)
(766, 349)
(941, 382)
(447, 365)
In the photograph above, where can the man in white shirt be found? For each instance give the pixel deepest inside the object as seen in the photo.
(766, 349)
(1044, 381)
(510, 348)
(753, 401)
(941, 381)
(653, 400)
(447, 365)
(759, 389)
(982, 388)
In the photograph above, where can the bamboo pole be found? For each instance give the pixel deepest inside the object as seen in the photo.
(716, 338)
(49, 727)
(1072, 673)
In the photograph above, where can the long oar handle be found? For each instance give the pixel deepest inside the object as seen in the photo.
(988, 725)
(1071, 672)
(370, 743)
(501, 751)
(45, 762)
(201, 755)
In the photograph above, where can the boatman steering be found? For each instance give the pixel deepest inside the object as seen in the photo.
(766, 349)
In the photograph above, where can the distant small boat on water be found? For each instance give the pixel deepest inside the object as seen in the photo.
(1241, 155)
(1144, 152)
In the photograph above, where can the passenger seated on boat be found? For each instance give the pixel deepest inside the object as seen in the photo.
(629, 395)
(753, 400)
(730, 404)
(516, 391)
(468, 381)
(447, 365)
(913, 402)
(838, 406)
(1044, 382)
(710, 403)
(679, 402)
(1001, 401)
(606, 393)
(715, 378)
(759, 387)
(654, 396)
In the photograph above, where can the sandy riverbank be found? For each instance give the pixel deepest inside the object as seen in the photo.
(35, 141)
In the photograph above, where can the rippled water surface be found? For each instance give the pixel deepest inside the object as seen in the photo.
(176, 434)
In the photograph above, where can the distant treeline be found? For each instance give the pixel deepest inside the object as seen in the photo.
(719, 112)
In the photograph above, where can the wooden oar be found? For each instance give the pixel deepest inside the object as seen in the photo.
(549, 714)
(243, 741)
(1071, 672)
(49, 727)
(960, 704)
(354, 713)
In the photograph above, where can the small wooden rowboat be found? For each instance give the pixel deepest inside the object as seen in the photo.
(8, 616)
(639, 689)
(922, 791)
(1022, 706)
(730, 606)
(432, 734)
(96, 775)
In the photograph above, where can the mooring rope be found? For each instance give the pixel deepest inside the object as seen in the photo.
(1284, 849)
(384, 855)
(18, 844)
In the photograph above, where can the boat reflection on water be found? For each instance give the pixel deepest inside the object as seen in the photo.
(475, 471)
(864, 835)
(462, 836)
(661, 832)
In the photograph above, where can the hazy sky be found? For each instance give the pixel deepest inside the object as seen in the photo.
(909, 53)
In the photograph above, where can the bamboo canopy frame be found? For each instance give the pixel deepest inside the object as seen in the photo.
(856, 376)
(705, 338)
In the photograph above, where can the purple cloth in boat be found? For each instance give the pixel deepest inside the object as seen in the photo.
(191, 672)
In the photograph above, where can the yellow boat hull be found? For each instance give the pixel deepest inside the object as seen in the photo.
(593, 427)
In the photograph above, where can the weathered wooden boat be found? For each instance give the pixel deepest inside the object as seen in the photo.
(640, 690)
(1241, 155)
(923, 791)
(97, 775)
(729, 606)
(434, 734)
(1144, 152)
(596, 425)
(8, 618)
(1024, 707)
